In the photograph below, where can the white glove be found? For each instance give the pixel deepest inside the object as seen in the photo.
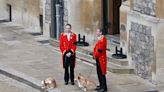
(68, 54)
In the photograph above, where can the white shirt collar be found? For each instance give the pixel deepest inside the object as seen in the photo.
(68, 36)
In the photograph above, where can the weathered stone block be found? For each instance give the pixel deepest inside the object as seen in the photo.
(141, 46)
(48, 11)
(147, 7)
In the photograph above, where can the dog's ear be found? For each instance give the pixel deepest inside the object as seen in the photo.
(78, 77)
(43, 82)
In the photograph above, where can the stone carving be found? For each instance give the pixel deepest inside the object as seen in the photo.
(142, 49)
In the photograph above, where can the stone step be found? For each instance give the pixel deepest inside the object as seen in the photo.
(54, 43)
(89, 52)
(114, 65)
(119, 69)
(113, 39)
(121, 62)
(85, 50)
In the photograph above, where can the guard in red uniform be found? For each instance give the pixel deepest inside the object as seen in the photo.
(68, 50)
(101, 61)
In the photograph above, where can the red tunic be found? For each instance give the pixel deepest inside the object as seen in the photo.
(66, 45)
(100, 53)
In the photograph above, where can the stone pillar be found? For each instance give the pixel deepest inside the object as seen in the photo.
(48, 11)
(160, 44)
(46, 17)
(124, 10)
(160, 9)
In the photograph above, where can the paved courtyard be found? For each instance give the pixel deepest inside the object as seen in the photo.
(24, 62)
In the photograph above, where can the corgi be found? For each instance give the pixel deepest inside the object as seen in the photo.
(85, 84)
(48, 83)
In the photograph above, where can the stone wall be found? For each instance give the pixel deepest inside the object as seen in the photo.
(142, 48)
(160, 54)
(24, 12)
(48, 11)
(147, 7)
(4, 15)
(124, 9)
(85, 16)
(65, 16)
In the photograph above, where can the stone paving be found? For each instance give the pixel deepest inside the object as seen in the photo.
(23, 56)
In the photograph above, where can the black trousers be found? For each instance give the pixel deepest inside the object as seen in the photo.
(69, 63)
(101, 77)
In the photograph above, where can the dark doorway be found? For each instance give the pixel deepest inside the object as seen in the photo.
(53, 19)
(116, 16)
(41, 23)
(57, 22)
(111, 16)
(9, 7)
(105, 16)
(59, 18)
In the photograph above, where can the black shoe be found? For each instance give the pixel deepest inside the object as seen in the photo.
(97, 88)
(66, 83)
(101, 90)
(72, 83)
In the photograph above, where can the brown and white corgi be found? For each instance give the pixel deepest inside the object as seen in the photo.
(48, 83)
(85, 84)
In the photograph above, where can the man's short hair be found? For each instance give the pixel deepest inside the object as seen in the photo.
(69, 25)
(102, 31)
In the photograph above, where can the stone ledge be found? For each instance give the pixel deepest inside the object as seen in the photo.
(20, 77)
(138, 15)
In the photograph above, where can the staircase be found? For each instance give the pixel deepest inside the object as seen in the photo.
(119, 66)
